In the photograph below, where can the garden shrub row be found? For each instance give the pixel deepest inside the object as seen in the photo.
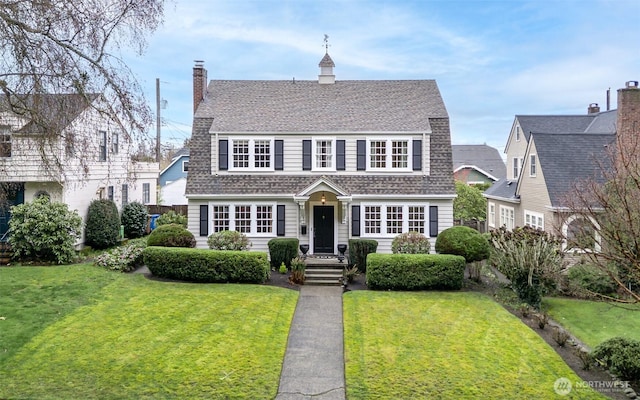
(208, 266)
(414, 271)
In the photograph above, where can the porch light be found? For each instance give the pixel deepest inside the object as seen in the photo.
(323, 199)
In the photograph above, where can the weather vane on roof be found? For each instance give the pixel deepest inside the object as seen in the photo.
(326, 43)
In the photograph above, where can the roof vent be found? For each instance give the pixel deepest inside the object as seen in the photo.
(632, 84)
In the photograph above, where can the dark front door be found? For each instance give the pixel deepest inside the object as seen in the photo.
(323, 229)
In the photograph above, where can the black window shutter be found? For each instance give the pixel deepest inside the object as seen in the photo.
(417, 155)
(223, 155)
(306, 155)
(355, 220)
(204, 220)
(362, 155)
(280, 220)
(433, 221)
(279, 156)
(340, 156)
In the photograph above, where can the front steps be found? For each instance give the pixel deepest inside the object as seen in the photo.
(326, 271)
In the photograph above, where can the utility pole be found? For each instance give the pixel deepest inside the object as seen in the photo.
(158, 120)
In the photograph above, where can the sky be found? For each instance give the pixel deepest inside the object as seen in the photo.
(492, 60)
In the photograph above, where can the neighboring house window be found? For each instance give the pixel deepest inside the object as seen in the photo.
(110, 193)
(389, 154)
(220, 218)
(416, 219)
(185, 166)
(125, 195)
(146, 193)
(324, 151)
(254, 154)
(532, 165)
(244, 218)
(534, 219)
(492, 214)
(581, 235)
(391, 220)
(507, 217)
(69, 145)
(103, 146)
(5, 141)
(114, 143)
(518, 133)
(516, 169)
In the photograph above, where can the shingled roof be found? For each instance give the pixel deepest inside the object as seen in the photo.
(603, 122)
(568, 158)
(485, 157)
(306, 106)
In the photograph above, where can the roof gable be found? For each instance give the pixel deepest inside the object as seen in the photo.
(485, 159)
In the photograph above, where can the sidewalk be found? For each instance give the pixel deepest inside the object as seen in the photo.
(314, 360)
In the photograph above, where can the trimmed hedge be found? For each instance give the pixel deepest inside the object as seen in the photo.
(463, 241)
(208, 266)
(102, 229)
(415, 271)
(282, 250)
(172, 235)
(358, 251)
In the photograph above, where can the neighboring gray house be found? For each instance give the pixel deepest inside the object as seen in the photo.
(322, 161)
(173, 179)
(547, 154)
(477, 164)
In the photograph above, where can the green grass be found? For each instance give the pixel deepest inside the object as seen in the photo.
(445, 345)
(105, 335)
(593, 321)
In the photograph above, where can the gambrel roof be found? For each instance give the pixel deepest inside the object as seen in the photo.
(306, 106)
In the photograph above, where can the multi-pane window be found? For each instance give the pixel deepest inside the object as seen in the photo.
(399, 154)
(264, 219)
(532, 165)
(416, 219)
(507, 217)
(125, 195)
(394, 219)
(103, 146)
(492, 214)
(146, 193)
(243, 219)
(252, 154)
(220, 218)
(516, 167)
(378, 154)
(324, 154)
(241, 154)
(372, 219)
(534, 220)
(5, 141)
(114, 143)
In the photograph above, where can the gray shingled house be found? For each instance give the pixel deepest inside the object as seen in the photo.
(322, 161)
(547, 154)
(477, 164)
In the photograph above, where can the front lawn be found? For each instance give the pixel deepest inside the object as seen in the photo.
(594, 321)
(401, 345)
(123, 336)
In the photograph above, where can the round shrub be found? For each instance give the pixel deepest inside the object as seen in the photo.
(463, 241)
(621, 356)
(228, 240)
(103, 224)
(172, 217)
(411, 243)
(45, 231)
(134, 219)
(125, 258)
(172, 235)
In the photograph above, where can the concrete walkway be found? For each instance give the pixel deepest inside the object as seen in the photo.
(314, 361)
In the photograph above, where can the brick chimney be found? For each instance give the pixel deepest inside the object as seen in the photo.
(628, 118)
(593, 108)
(199, 84)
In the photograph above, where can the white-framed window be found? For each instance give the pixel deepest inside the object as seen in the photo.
(507, 217)
(416, 219)
(110, 195)
(5, 141)
(185, 166)
(146, 193)
(533, 165)
(250, 219)
(516, 167)
(252, 154)
(492, 214)
(534, 219)
(581, 234)
(115, 143)
(518, 133)
(324, 153)
(102, 156)
(389, 220)
(125, 195)
(388, 154)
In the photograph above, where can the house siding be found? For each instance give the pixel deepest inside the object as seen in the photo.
(537, 198)
(515, 148)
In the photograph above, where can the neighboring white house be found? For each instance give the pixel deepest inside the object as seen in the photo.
(173, 179)
(322, 161)
(57, 170)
